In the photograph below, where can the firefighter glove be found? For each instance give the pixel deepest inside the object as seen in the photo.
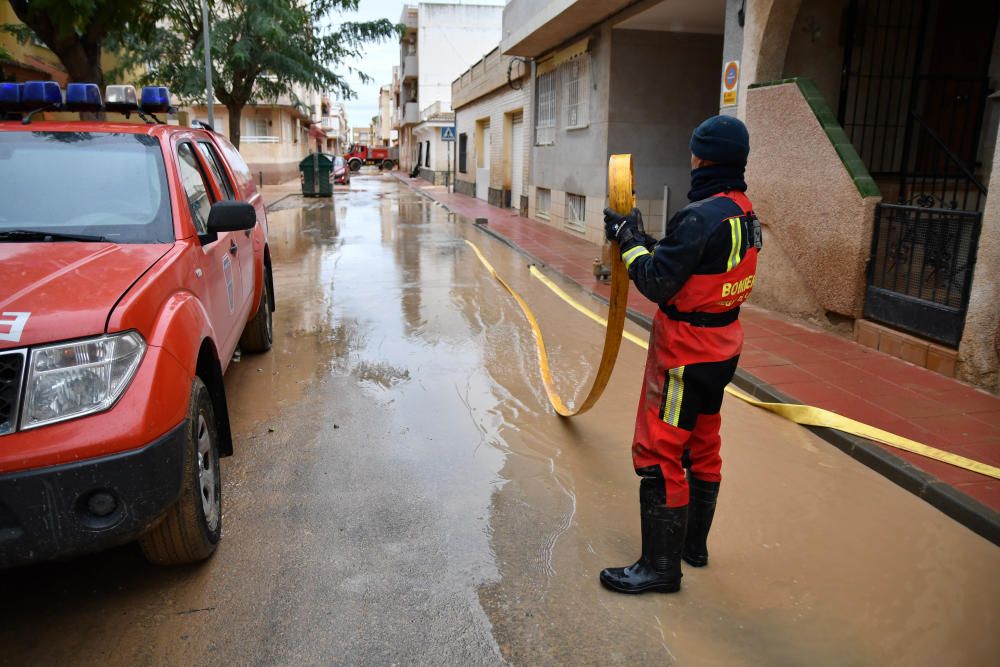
(626, 229)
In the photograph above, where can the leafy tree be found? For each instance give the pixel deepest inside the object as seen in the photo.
(77, 31)
(260, 49)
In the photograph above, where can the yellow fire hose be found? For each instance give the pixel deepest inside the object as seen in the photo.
(620, 179)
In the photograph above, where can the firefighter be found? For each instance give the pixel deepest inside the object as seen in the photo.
(698, 274)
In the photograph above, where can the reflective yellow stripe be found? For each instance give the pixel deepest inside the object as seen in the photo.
(736, 238)
(675, 394)
(630, 256)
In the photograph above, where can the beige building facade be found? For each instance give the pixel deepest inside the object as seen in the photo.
(273, 137)
(492, 124)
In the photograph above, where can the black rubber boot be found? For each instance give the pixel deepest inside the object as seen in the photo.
(659, 567)
(702, 510)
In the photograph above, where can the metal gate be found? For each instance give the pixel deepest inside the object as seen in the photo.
(913, 93)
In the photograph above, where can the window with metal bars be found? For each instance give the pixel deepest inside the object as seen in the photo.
(545, 109)
(463, 152)
(576, 80)
(543, 199)
(576, 212)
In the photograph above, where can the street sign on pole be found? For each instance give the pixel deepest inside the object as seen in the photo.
(448, 133)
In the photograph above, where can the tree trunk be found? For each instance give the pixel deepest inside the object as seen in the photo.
(79, 54)
(235, 115)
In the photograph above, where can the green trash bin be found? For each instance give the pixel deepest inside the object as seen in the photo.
(316, 174)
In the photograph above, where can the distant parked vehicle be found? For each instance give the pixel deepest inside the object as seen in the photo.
(341, 172)
(383, 157)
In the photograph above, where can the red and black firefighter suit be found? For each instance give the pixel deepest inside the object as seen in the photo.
(699, 274)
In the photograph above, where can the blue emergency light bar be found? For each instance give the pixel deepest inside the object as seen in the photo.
(10, 96)
(39, 94)
(155, 99)
(83, 97)
(34, 96)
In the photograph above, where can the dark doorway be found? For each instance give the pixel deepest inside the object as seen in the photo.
(914, 89)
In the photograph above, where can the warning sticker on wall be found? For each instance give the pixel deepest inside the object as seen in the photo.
(730, 83)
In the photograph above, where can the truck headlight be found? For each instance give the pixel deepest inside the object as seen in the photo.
(80, 377)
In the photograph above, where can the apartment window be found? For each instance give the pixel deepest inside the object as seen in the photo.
(260, 127)
(543, 199)
(420, 153)
(576, 84)
(427, 156)
(545, 110)
(463, 152)
(576, 212)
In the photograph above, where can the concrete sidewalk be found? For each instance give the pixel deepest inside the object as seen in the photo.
(790, 361)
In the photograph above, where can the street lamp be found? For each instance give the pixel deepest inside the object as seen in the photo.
(209, 95)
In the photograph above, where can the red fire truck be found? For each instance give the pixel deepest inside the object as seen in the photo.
(382, 156)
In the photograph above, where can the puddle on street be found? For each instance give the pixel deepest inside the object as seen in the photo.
(401, 492)
(790, 578)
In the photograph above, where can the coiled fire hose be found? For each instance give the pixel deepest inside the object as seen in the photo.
(620, 174)
(622, 199)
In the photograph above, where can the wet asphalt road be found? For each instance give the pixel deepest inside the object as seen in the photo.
(402, 494)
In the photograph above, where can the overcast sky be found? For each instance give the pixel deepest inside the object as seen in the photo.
(379, 58)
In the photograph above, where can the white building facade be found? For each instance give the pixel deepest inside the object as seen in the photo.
(439, 42)
(492, 119)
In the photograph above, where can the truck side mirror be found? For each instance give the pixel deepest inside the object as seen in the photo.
(231, 216)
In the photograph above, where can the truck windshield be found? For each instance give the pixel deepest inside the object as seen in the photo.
(109, 186)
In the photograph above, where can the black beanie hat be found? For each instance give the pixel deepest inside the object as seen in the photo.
(722, 139)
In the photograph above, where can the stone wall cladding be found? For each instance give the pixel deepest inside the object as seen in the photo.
(979, 350)
(467, 188)
(811, 205)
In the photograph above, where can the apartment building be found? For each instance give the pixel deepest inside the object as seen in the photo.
(491, 106)
(873, 128)
(335, 126)
(361, 135)
(438, 43)
(613, 77)
(31, 61)
(274, 135)
(383, 132)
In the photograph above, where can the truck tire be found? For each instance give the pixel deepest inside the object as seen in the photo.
(355, 164)
(191, 529)
(259, 331)
(387, 164)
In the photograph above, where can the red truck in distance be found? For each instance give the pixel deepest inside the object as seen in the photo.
(384, 157)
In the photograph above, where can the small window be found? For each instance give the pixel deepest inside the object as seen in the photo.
(463, 152)
(576, 212)
(260, 128)
(545, 110)
(427, 156)
(420, 154)
(213, 162)
(543, 199)
(195, 187)
(576, 75)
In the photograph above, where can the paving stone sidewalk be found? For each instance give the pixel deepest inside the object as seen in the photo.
(806, 363)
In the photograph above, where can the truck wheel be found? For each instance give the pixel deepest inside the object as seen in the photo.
(259, 331)
(191, 529)
(355, 164)
(387, 164)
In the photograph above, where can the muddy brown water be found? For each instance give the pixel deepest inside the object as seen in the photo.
(402, 494)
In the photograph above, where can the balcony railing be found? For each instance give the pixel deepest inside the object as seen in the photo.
(409, 114)
(432, 110)
(409, 68)
(258, 139)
